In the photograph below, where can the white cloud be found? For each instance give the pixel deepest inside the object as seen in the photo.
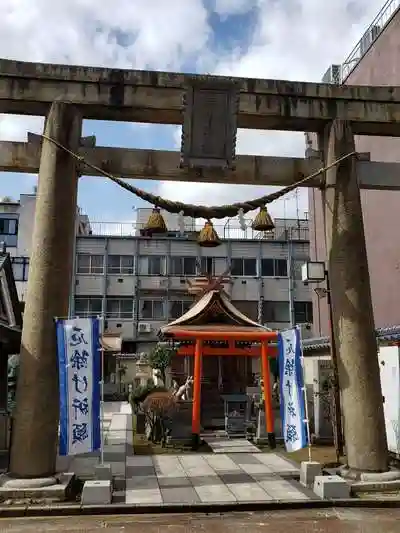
(100, 33)
(15, 127)
(122, 34)
(295, 40)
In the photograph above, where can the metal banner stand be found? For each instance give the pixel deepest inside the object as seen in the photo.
(101, 383)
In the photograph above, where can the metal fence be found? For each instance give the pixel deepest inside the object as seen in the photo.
(228, 231)
(374, 29)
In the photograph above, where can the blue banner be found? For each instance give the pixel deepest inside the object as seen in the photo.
(78, 346)
(292, 390)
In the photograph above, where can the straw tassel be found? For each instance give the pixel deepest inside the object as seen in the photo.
(208, 237)
(263, 221)
(156, 223)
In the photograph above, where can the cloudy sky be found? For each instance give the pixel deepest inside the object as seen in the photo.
(283, 39)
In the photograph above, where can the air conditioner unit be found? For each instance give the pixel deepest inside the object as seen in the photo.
(368, 38)
(144, 327)
(333, 75)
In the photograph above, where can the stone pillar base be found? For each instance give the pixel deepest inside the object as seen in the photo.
(359, 475)
(43, 488)
(9, 482)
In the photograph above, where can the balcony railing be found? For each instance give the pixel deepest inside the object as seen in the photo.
(375, 28)
(230, 230)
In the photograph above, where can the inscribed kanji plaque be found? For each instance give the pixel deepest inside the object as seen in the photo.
(210, 124)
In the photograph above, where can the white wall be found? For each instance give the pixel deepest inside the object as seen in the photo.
(26, 222)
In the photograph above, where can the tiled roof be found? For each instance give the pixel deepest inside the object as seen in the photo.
(391, 333)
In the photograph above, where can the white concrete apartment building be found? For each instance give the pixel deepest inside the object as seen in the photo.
(139, 283)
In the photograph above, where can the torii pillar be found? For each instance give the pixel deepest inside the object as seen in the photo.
(353, 322)
(35, 431)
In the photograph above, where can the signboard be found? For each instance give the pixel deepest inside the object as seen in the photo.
(292, 390)
(210, 124)
(78, 346)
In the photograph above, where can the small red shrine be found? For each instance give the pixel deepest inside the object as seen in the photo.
(214, 328)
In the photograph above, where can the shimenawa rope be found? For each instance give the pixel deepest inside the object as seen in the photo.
(199, 211)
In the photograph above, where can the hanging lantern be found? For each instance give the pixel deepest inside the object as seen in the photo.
(156, 223)
(208, 237)
(263, 221)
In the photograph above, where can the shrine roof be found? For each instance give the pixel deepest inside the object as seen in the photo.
(213, 312)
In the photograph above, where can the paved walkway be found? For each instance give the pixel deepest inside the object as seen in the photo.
(209, 478)
(118, 439)
(236, 472)
(225, 445)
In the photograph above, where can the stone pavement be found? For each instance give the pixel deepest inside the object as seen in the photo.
(225, 445)
(237, 472)
(209, 478)
(118, 438)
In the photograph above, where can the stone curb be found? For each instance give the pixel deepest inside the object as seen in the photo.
(19, 511)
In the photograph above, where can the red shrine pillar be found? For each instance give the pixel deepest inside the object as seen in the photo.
(266, 375)
(197, 392)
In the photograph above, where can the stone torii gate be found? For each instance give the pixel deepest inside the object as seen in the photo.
(66, 95)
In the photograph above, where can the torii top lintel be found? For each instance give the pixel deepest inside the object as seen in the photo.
(157, 97)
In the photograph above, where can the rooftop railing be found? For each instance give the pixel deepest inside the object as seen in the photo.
(366, 41)
(228, 231)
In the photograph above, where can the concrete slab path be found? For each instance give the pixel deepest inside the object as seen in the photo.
(236, 472)
(211, 478)
(225, 445)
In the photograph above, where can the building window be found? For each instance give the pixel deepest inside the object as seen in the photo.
(85, 307)
(90, 264)
(244, 267)
(152, 310)
(303, 312)
(136, 383)
(276, 311)
(20, 266)
(152, 265)
(8, 226)
(120, 264)
(206, 266)
(274, 268)
(183, 266)
(178, 308)
(119, 308)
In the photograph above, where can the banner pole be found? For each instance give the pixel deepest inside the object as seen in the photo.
(102, 436)
(307, 420)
